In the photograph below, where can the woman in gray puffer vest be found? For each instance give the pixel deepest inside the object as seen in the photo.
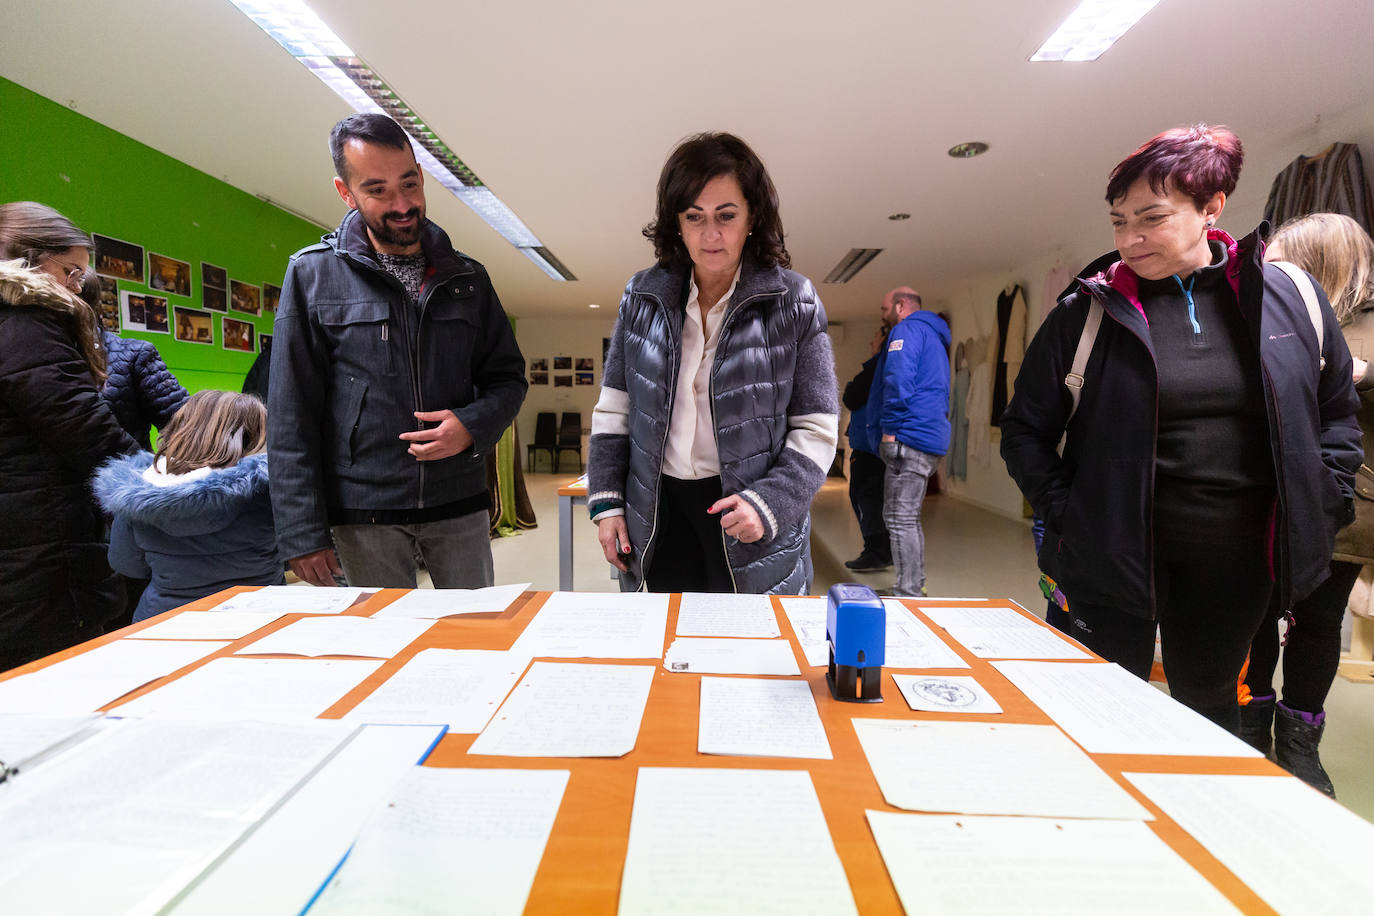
(719, 412)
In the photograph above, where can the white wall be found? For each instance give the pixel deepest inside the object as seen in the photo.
(545, 338)
(972, 300)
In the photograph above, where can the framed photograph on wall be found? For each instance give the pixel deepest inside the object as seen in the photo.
(169, 275)
(238, 335)
(562, 381)
(210, 275)
(156, 317)
(116, 258)
(193, 326)
(539, 365)
(214, 298)
(562, 362)
(585, 364)
(109, 304)
(271, 295)
(585, 378)
(141, 312)
(245, 297)
(539, 378)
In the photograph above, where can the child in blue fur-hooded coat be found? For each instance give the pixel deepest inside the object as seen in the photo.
(194, 517)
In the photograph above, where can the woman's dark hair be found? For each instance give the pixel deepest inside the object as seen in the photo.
(215, 429)
(695, 162)
(30, 231)
(1199, 161)
(369, 127)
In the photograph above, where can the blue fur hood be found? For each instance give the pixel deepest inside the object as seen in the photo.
(184, 508)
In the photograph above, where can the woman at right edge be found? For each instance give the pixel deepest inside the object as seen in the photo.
(1212, 456)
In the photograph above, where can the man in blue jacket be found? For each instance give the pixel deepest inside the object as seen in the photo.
(908, 414)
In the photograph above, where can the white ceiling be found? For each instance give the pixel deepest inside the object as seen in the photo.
(567, 110)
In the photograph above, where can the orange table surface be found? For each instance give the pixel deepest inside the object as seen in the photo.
(581, 868)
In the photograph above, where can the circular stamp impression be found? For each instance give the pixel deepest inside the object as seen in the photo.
(944, 693)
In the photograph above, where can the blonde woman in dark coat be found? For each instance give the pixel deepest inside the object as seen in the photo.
(1340, 255)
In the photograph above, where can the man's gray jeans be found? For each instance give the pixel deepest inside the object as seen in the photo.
(904, 489)
(456, 551)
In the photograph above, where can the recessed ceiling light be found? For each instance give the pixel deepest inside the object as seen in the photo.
(593, 305)
(1092, 28)
(898, 217)
(968, 150)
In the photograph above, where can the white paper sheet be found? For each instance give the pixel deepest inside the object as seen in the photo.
(972, 768)
(1024, 865)
(941, 693)
(25, 739)
(280, 866)
(751, 717)
(807, 616)
(228, 625)
(1296, 848)
(730, 656)
(90, 680)
(703, 614)
(593, 625)
(459, 687)
(730, 841)
(569, 710)
(1108, 710)
(356, 636)
(993, 632)
(264, 689)
(293, 599)
(126, 820)
(434, 603)
(450, 841)
(912, 644)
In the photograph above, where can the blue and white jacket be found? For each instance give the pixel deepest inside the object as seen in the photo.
(910, 395)
(192, 534)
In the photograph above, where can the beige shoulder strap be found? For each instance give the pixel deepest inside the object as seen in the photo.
(1309, 298)
(1074, 380)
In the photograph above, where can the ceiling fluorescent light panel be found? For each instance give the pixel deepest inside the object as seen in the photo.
(306, 37)
(1092, 28)
(853, 262)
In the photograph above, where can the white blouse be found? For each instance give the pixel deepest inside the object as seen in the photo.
(691, 450)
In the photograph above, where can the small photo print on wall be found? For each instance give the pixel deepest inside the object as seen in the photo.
(210, 275)
(238, 335)
(562, 381)
(143, 313)
(562, 362)
(169, 275)
(539, 378)
(194, 326)
(244, 297)
(585, 364)
(114, 258)
(109, 304)
(585, 378)
(214, 298)
(539, 365)
(271, 295)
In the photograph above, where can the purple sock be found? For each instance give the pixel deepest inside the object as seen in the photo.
(1310, 718)
(1267, 698)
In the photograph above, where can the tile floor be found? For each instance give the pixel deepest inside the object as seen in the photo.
(969, 551)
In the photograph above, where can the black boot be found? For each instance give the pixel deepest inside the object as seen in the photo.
(872, 558)
(1296, 736)
(1257, 723)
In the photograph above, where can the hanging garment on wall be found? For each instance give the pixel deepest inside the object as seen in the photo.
(1056, 281)
(979, 401)
(958, 402)
(1011, 337)
(1332, 181)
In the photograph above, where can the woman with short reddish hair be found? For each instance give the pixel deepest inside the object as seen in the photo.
(1211, 437)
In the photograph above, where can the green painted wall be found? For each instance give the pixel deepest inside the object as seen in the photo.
(110, 184)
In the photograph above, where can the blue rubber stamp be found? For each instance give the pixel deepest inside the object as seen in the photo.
(856, 629)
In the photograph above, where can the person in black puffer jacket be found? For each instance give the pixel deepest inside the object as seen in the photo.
(56, 588)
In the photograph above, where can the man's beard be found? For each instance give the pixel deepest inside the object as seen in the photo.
(385, 232)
